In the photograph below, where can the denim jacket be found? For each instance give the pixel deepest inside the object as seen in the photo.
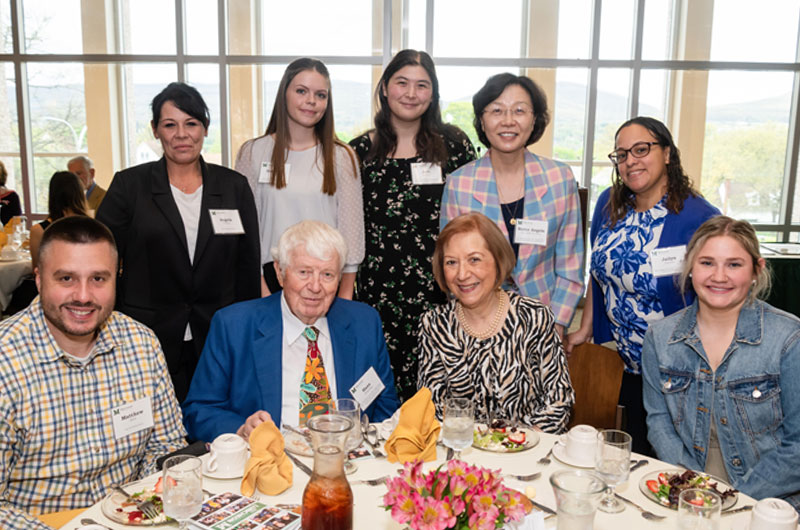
(754, 396)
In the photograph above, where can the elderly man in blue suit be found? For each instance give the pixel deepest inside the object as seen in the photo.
(262, 358)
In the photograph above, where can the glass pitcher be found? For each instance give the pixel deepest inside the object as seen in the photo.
(328, 499)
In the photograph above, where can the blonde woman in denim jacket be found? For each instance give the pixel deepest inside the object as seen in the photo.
(722, 377)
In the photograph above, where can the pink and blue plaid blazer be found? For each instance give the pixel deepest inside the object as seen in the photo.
(551, 273)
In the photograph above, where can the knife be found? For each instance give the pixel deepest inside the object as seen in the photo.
(542, 507)
(738, 510)
(639, 464)
(304, 468)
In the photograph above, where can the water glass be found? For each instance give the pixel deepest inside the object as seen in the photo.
(699, 509)
(183, 488)
(459, 421)
(577, 495)
(612, 462)
(350, 409)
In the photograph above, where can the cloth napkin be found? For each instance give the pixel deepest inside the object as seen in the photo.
(59, 519)
(417, 431)
(268, 468)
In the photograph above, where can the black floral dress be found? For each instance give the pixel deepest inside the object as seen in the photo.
(401, 223)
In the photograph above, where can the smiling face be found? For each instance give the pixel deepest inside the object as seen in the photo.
(508, 120)
(309, 284)
(722, 274)
(646, 176)
(307, 98)
(77, 289)
(470, 271)
(181, 135)
(409, 93)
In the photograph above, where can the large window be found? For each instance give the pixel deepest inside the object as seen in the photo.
(723, 75)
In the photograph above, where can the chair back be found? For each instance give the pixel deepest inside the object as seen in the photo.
(596, 373)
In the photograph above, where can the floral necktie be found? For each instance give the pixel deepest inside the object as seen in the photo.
(315, 393)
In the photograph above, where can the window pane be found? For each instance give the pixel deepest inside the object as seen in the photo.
(205, 78)
(612, 109)
(466, 28)
(5, 27)
(416, 24)
(657, 25)
(58, 108)
(569, 113)
(574, 29)
(45, 22)
(742, 32)
(148, 26)
(142, 83)
(352, 96)
(652, 93)
(9, 131)
(304, 28)
(745, 143)
(616, 30)
(202, 31)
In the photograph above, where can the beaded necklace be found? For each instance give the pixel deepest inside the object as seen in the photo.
(492, 329)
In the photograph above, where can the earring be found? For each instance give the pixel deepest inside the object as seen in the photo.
(754, 282)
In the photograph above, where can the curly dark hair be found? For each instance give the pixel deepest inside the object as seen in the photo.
(679, 185)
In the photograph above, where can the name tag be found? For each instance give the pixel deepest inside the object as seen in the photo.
(132, 417)
(423, 173)
(226, 222)
(530, 232)
(667, 261)
(367, 388)
(265, 174)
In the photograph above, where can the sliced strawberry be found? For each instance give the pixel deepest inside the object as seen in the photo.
(518, 437)
(663, 479)
(652, 485)
(697, 501)
(159, 487)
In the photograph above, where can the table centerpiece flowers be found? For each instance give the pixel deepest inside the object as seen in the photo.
(458, 496)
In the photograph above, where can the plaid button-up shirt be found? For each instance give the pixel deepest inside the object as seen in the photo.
(58, 449)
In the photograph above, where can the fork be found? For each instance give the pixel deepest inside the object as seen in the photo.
(524, 478)
(650, 516)
(371, 481)
(369, 431)
(546, 458)
(149, 509)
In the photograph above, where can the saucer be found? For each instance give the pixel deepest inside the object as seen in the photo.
(560, 452)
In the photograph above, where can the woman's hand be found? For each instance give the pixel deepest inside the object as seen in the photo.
(577, 338)
(252, 422)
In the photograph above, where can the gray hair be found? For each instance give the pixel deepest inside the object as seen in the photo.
(321, 241)
(83, 159)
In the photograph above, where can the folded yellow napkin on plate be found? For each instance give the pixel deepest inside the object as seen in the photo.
(268, 469)
(59, 519)
(416, 432)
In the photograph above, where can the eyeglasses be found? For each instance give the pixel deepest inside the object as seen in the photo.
(637, 150)
(517, 111)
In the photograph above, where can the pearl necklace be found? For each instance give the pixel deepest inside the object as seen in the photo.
(492, 329)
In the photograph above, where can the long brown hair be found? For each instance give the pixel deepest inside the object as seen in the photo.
(323, 130)
(679, 185)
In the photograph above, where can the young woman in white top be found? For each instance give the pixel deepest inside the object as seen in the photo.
(300, 170)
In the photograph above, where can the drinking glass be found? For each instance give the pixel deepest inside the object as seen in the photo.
(459, 420)
(577, 495)
(612, 461)
(699, 509)
(350, 409)
(183, 488)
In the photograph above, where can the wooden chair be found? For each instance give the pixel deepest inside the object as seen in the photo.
(596, 373)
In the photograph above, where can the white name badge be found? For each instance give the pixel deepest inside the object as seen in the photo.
(367, 388)
(667, 261)
(530, 232)
(226, 222)
(265, 173)
(423, 173)
(132, 417)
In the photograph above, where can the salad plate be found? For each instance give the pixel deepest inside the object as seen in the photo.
(503, 438)
(664, 487)
(121, 509)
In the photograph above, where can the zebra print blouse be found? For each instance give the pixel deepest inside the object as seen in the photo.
(519, 374)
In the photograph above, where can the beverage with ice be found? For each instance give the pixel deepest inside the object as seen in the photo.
(183, 487)
(457, 432)
(613, 471)
(327, 504)
(182, 503)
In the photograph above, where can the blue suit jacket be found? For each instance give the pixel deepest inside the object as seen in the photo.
(239, 371)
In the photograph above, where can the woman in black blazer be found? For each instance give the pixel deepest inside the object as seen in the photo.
(187, 234)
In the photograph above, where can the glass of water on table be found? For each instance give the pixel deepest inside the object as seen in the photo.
(183, 488)
(459, 420)
(612, 462)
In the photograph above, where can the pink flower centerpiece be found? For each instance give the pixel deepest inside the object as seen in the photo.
(458, 497)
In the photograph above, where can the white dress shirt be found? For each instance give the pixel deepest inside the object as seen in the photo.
(295, 351)
(189, 207)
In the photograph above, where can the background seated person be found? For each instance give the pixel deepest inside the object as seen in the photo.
(499, 348)
(69, 363)
(275, 357)
(722, 377)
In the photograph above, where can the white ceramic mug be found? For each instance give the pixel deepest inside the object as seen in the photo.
(773, 514)
(581, 443)
(228, 456)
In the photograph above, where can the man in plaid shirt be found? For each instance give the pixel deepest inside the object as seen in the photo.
(85, 396)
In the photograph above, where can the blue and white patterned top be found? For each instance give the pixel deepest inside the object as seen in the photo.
(621, 266)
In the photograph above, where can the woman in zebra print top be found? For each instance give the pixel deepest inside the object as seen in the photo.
(499, 348)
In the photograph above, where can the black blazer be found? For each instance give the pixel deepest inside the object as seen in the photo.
(158, 285)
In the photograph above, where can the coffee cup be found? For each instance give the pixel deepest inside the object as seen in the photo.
(228, 456)
(773, 514)
(580, 444)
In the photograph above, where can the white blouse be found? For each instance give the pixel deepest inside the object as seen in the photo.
(302, 197)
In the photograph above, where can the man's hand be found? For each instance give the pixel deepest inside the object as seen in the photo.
(252, 422)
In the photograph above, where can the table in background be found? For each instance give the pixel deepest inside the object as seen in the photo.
(368, 513)
(784, 260)
(11, 275)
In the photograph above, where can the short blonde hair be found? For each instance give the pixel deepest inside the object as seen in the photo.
(744, 234)
(496, 242)
(319, 239)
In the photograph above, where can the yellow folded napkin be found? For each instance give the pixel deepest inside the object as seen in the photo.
(268, 469)
(417, 431)
(59, 519)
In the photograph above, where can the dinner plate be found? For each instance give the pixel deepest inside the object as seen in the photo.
(297, 444)
(531, 440)
(727, 504)
(560, 452)
(112, 506)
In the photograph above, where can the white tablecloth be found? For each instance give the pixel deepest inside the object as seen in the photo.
(369, 515)
(11, 275)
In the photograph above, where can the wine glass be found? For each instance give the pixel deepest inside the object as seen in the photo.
(612, 462)
(183, 488)
(699, 509)
(459, 420)
(350, 409)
